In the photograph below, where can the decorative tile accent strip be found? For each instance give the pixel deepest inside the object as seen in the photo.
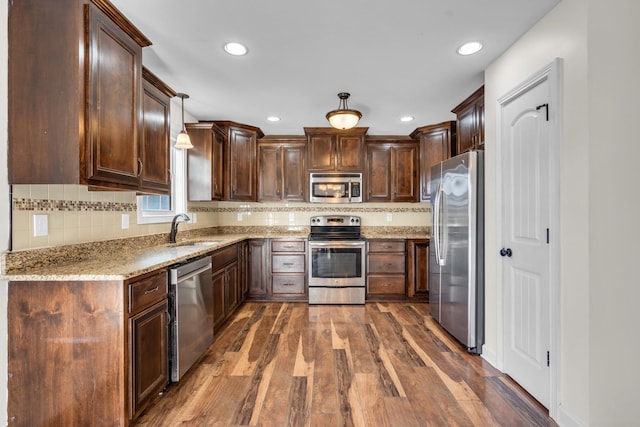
(360, 208)
(71, 206)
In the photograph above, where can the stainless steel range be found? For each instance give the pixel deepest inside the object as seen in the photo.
(336, 260)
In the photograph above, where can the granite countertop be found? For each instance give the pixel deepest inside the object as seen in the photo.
(127, 258)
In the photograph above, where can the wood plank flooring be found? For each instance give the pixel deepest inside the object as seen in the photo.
(381, 364)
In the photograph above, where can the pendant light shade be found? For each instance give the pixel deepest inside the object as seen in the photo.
(183, 142)
(343, 118)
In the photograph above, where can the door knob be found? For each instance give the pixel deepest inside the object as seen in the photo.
(506, 252)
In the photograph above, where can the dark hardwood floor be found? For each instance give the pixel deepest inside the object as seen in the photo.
(381, 364)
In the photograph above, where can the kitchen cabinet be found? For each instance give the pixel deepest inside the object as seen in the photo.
(227, 294)
(470, 122)
(75, 90)
(148, 339)
(258, 268)
(240, 153)
(386, 269)
(436, 144)
(288, 269)
(282, 172)
(391, 172)
(156, 134)
(418, 268)
(205, 172)
(98, 344)
(333, 150)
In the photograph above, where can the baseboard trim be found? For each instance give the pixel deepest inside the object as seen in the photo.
(565, 419)
(490, 356)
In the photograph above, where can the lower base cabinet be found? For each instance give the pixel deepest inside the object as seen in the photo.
(386, 269)
(227, 289)
(418, 269)
(277, 269)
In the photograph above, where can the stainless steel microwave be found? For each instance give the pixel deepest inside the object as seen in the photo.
(335, 187)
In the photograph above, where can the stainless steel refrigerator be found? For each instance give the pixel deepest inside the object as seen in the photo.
(456, 248)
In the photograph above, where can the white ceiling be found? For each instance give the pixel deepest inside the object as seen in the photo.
(395, 57)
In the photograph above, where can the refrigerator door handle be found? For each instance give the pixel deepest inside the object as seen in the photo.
(437, 222)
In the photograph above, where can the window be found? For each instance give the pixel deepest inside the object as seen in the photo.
(156, 209)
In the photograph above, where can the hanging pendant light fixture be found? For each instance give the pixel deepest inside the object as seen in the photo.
(343, 118)
(183, 142)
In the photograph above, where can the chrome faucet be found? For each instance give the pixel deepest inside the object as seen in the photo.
(174, 226)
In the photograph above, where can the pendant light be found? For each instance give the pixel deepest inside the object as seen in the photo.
(183, 142)
(343, 118)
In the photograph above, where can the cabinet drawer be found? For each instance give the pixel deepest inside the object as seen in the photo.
(288, 284)
(386, 263)
(147, 291)
(287, 263)
(224, 256)
(287, 246)
(386, 246)
(386, 285)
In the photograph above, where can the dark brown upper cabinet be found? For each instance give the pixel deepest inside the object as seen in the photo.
(240, 153)
(156, 134)
(470, 122)
(282, 172)
(205, 162)
(436, 144)
(333, 150)
(76, 114)
(391, 170)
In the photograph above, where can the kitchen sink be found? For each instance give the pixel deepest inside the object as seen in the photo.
(197, 243)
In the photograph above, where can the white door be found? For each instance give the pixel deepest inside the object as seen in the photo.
(525, 251)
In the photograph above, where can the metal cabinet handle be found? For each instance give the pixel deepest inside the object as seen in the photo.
(139, 167)
(150, 291)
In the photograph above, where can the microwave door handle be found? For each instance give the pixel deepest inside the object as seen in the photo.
(349, 191)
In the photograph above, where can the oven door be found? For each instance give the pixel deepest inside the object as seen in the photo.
(338, 264)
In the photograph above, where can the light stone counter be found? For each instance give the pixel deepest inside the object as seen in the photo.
(126, 258)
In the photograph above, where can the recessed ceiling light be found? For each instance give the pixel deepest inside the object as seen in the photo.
(273, 118)
(235, 49)
(469, 48)
(406, 119)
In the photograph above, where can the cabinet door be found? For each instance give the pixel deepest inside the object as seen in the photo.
(199, 164)
(217, 162)
(270, 179)
(404, 170)
(294, 173)
(466, 130)
(321, 153)
(349, 153)
(232, 289)
(241, 165)
(479, 107)
(378, 173)
(218, 279)
(418, 268)
(258, 268)
(435, 146)
(148, 343)
(114, 103)
(155, 149)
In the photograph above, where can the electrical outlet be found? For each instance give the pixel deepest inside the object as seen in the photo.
(239, 217)
(389, 217)
(125, 221)
(194, 218)
(292, 217)
(40, 225)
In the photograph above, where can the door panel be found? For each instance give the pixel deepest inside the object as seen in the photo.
(525, 273)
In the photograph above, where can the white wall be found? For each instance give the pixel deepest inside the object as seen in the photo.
(614, 233)
(4, 209)
(561, 33)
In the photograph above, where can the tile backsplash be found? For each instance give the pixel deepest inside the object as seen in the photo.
(76, 215)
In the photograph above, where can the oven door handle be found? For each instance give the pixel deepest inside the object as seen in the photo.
(336, 244)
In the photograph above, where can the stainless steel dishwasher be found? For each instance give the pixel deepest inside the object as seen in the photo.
(191, 330)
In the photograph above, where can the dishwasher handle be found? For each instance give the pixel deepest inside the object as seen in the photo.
(194, 273)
